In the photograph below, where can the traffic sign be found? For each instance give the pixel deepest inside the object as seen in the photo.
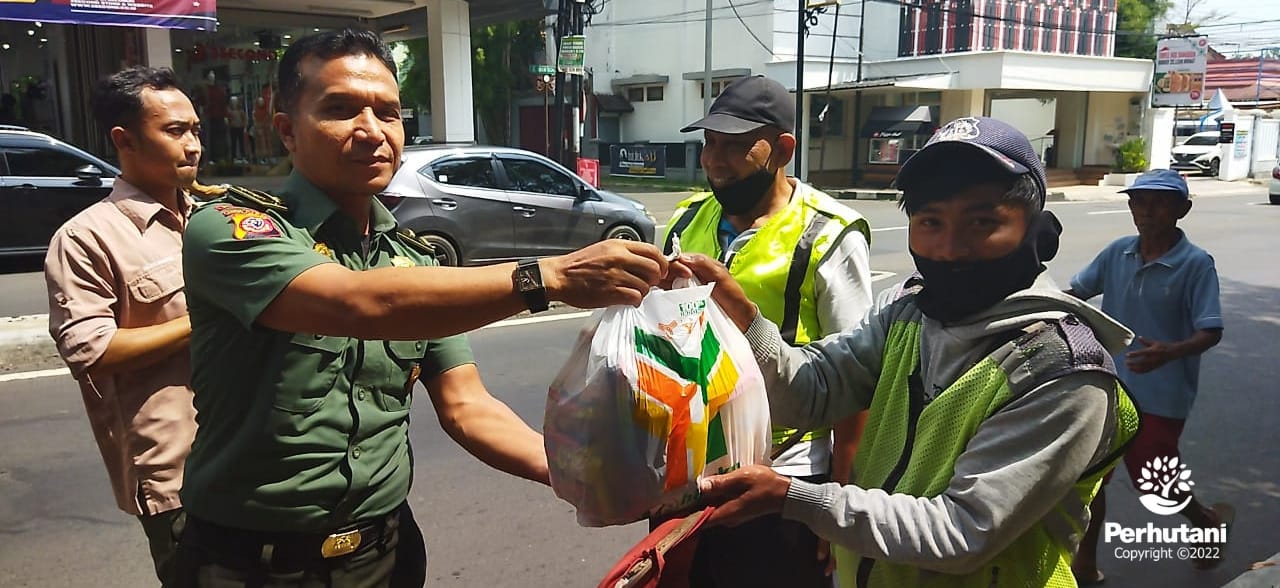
(542, 69)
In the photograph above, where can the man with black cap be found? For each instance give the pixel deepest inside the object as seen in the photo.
(995, 409)
(803, 259)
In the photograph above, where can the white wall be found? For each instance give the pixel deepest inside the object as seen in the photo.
(1237, 156)
(666, 37)
(1266, 145)
(1029, 115)
(1158, 129)
(1107, 126)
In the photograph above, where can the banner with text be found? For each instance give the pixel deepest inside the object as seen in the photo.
(168, 14)
(638, 160)
(1179, 75)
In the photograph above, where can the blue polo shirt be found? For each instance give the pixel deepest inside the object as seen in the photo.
(1166, 300)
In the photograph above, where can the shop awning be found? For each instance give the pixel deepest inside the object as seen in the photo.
(613, 103)
(898, 121)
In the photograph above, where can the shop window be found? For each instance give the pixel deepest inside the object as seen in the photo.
(892, 151)
(717, 86)
(645, 93)
(834, 126)
(35, 162)
(474, 172)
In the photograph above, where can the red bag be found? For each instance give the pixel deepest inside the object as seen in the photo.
(663, 558)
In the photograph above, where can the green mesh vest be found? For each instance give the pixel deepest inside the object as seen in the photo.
(910, 446)
(777, 267)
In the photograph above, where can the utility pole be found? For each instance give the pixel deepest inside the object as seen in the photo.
(562, 28)
(857, 95)
(802, 30)
(706, 65)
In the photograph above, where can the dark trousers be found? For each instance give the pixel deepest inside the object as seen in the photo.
(159, 530)
(765, 552)
(397, 559)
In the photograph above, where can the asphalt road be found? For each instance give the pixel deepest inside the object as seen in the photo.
(59, 526)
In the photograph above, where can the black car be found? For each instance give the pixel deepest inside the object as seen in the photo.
(480, 205)
(43, 183)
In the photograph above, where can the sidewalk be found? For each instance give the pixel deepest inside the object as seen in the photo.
(1200, 187)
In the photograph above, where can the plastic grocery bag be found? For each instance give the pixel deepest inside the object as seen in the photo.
(651, 399)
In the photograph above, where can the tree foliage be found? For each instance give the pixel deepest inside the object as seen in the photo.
(1135, 27)
(500, 59)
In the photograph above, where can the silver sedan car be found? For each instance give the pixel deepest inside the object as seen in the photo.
(480, 205)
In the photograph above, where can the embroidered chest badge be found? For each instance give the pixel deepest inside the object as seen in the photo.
(323, 249)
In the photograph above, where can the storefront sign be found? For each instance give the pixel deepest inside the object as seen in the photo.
(1179, 75)
(169, 14)
(1226, 133)
(642, 161)
(203, 53)
(573, 50)
(1242, 144)
(589, 170)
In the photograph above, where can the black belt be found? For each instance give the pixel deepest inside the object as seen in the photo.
(288, 550)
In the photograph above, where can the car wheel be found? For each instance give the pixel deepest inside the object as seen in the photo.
(624, 232)
(446, 251)
(1214, 166)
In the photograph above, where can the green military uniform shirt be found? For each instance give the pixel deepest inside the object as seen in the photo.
(297, 432)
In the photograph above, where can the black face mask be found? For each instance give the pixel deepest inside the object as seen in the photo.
(743, 195)
(954, 290)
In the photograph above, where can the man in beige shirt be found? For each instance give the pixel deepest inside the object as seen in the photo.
(117, 310)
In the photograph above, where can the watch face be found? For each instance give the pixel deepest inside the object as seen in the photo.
(525, 281)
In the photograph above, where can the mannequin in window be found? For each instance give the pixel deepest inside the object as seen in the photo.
(236, 121)
(215, 117)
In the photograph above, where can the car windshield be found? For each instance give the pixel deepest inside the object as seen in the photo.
(1206, 140)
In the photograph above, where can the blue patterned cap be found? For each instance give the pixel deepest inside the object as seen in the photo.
(1001, 142)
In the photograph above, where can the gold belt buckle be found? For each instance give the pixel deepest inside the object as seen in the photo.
(340, 544)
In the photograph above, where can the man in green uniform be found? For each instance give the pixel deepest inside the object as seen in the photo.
(312, 320)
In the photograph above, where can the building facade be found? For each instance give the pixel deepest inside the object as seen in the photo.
(1043, 65)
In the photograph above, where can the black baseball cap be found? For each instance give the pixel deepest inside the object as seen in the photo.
(993, 138)
(748, 104)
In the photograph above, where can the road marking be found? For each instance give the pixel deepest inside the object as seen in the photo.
(34, 375)
(659, 227)
(888, 229)
(876, 276)
(1109, 212)
(533, 320)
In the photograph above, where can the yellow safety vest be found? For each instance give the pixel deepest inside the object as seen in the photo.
(777, 267)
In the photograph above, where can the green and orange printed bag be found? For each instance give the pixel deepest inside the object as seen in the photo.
(651, 399)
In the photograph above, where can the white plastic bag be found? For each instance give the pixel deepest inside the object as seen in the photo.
(651, 399)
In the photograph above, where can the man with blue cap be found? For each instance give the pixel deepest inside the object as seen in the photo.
(1165, 289)
(994, 410)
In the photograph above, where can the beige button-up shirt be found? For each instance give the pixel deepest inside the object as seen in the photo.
(118, 265)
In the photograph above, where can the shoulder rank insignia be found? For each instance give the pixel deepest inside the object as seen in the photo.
(254, 199)
(415, 242)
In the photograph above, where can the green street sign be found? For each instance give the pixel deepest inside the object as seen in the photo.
(542, 69)
(573, 49)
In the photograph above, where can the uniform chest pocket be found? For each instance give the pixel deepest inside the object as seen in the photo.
(156, 281)
(310, 372)
(397, 393)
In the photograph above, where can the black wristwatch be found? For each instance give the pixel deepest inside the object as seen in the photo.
(528, 282)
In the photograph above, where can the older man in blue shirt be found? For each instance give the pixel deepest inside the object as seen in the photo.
(1165, 289)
